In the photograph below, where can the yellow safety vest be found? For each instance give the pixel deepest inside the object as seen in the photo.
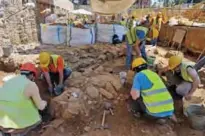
(17, 111)
(184, 72)
(123, 23)
(132, 36)
(155, 31)
(55, 60)
(157, 99)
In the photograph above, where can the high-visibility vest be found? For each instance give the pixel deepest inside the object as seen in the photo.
(55, 60)
(184, 72)
(157, 99)
(123, 23)
(132, 35)
(17, 111)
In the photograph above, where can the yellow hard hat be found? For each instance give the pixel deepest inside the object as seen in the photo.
(137, 62)
(44, 59)
(174, 61)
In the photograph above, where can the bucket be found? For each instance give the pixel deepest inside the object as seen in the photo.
(7, 51)
(193, 101)
(151, 60)
(123, 77)
(196, 117)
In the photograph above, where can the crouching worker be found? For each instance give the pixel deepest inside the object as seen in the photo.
(20, 101)
(183, 76)
(54, 72)
(149, 94)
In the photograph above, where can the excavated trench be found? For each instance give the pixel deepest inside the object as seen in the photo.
(95, 79)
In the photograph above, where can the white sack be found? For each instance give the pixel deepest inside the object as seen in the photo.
(53, 34)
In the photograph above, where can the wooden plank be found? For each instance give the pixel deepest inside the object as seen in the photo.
(179, 36)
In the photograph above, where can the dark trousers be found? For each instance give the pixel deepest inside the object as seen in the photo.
(55, 76)
(138, 106)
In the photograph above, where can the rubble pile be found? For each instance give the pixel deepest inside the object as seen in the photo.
(84, 94)
(76, 58)
(197, 13)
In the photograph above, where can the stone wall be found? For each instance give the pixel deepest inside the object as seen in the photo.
(17, 28)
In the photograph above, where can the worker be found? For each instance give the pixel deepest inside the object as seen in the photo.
(147, 22)
(186, 74)
(52, 66)
(156, 24)
(20, 101)
(123, 22)
(149, 93)
(136, 37)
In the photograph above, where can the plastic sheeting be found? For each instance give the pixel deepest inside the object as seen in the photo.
(53, 34)
(105, 32)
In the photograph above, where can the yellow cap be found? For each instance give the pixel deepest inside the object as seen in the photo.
(174, 61)
(44, 59)
(137, 62)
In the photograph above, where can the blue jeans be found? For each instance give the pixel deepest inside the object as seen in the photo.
(55, 76)
(129, 56)
(154, 42)
(142, 49)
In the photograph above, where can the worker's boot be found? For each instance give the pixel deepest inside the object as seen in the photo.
(161, 121)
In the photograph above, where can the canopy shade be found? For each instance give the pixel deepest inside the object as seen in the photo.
(65, 4)
(81, 11)
(110, 6)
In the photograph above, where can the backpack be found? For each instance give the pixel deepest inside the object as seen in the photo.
(115, 39)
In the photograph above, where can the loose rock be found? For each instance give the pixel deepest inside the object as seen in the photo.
(87, 128)
(92, 92)
(106, 94)
(173, 53)
(109, 87)
(76, 74)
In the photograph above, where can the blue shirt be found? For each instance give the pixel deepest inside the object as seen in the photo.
(141, 82)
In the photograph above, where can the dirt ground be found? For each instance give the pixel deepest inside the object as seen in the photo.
(122, 123)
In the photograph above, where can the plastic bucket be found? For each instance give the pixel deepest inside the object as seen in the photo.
(151, 60)
(196, 116)
(193, 101)
(123, 77)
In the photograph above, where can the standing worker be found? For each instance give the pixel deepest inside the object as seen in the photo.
(136, 37)
(20, 101)
(186, 74)
(149, 93)
(156, 24)
(54, 72)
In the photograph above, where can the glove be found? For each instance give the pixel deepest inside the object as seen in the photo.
(58, 89)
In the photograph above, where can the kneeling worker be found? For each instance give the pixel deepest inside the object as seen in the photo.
(186, 74)
(149, 94)
(20, 101)
(54, 72)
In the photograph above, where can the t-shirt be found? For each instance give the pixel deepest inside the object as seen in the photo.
(141, 82)
(32, 91)
(52, 68)
(141, 32)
